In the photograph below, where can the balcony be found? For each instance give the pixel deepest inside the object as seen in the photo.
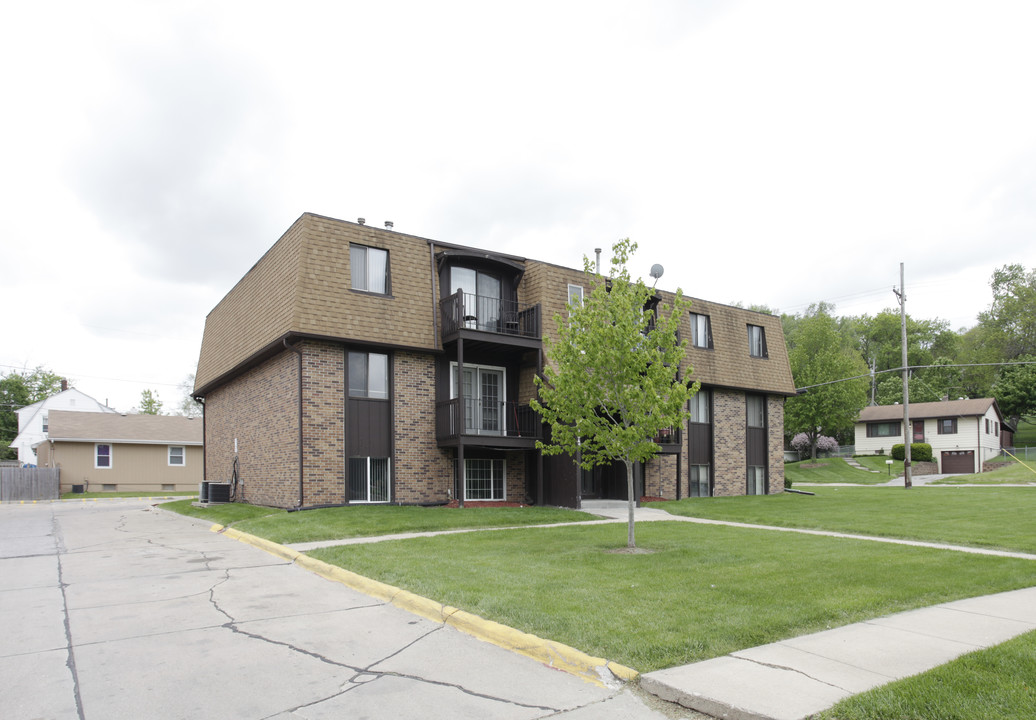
(480, 314)
(503, 424)
(669, 441)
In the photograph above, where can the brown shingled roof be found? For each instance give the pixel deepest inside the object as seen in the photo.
(70, 426)
(921, 411)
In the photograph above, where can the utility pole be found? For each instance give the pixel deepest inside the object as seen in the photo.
(908, 432)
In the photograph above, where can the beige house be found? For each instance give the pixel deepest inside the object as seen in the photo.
(963, 433)
(104, 452)
(355, 364)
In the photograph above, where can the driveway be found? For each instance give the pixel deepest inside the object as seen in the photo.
(115, 609)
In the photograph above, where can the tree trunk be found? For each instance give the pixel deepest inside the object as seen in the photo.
(631, 541)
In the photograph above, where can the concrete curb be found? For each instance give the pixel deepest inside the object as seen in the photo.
(557, 655)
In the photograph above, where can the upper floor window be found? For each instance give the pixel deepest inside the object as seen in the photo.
(575, 295)
(948, 426)
(987, 426)
(883, 429)
(756, 341)
(996, 428)
(701, 331)
(756, 411)
(368, 375)
(176, 455)
(700, 407)
(102, 455)
(46, 425)
(369, 268)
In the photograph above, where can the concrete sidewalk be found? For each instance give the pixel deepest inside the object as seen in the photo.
(795, 678)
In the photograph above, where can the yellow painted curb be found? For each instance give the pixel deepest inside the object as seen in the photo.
(553, 654)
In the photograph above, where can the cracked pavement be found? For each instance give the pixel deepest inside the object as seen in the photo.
(113, 609)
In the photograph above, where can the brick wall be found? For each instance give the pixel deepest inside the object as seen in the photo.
(423, 472)
(728, 429)
(660, 477)
(260, 410)
(775, 442)
(323, 426)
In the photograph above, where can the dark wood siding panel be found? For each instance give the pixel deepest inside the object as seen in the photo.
(756, 446)
(699, 443)
(369, 424)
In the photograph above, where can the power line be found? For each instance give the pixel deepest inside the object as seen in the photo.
(914, 367)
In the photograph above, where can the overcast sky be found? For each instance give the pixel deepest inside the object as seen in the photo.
(774, 153)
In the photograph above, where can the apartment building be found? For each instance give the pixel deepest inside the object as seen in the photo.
(355, 364)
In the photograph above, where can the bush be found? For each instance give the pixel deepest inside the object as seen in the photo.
(787, 483)
(919, 452)
(824, 444)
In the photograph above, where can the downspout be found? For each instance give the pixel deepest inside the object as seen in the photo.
(204, 439)
(294, 349)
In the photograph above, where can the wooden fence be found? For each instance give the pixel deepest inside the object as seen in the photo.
(29, 484)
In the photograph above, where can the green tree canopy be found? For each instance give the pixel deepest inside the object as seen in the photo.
(612, 381)
(819, 354)
(1015, 389)
(18, 389)
(1011, 318)
(149, 403)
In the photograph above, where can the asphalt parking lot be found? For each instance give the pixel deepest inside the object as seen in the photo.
(115, 609)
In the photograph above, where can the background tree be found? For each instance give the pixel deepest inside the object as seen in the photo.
(18, 389)
(1015, 389)
(612, 382)
(189, 407)
(149, 403)
(820, 354)
(1011, 318)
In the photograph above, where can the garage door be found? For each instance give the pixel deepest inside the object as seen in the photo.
(958, 461)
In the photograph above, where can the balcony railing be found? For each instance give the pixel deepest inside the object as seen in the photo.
(668, 436)
(467, 311)
(486, 419)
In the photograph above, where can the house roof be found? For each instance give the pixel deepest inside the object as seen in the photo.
(67, 426)
(921, 411)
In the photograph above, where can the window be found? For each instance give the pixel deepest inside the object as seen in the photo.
(575, 295)
(756, 411)
(46, 424)
(176, 455)
(699, 481)
(369, 268)
(484, 393)
(756, 480)
(482, 299)
(368, 375)
(996, 429)
(700, 407)
(883, 429)
(368, 479)
(701, 331)
(102, 456)
(987, 426)
(484, 479)
(756, 341)
(948, 426)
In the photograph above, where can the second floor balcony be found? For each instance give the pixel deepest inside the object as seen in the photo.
(487, 422)
(467, 311)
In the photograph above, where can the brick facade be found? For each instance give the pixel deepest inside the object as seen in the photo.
(300, 291)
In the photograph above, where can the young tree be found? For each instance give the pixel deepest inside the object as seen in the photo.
(1011, 317)
(189, 407)
(149, 403)
(819, 356)
(612, 382)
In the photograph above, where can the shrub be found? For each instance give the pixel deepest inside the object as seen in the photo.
(787, 483)
(824, 444)
(919, 452)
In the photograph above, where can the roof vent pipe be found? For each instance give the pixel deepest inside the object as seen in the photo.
(362, 221)
(389, 224)
(597, 252)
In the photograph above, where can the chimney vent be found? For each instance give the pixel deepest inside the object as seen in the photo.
(362, 221)
(64, 384)
(389, 224)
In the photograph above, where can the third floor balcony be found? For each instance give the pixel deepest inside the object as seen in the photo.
(480, 316)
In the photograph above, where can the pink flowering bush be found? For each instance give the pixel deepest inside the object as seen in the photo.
(801, 442)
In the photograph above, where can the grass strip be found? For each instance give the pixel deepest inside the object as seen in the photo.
(369, 520)
(703, 592)
(1001, 518)
(837, 470)
(998, 683)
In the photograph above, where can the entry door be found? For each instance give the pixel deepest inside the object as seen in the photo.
(483, 392)
(919, 431)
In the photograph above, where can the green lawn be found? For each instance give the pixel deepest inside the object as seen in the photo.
(837, 470)
(1026, 434)
(703, 592)
(998, 683)
(993, 517)
(368, 520)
